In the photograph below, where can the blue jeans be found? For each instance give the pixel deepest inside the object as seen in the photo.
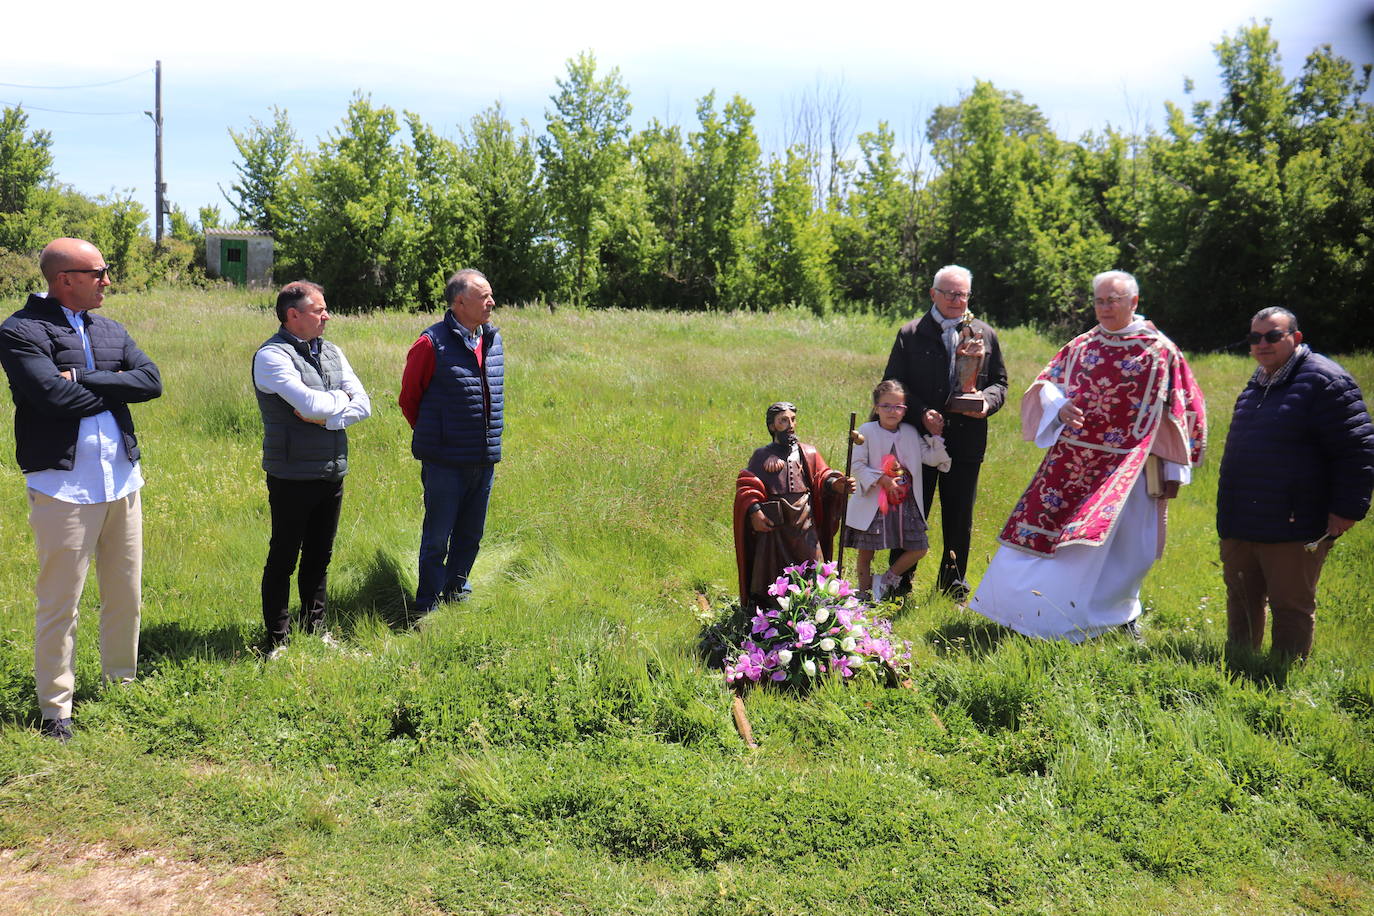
(455, 513)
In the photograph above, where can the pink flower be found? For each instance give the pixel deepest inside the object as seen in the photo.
(778, 587)
(806, 632)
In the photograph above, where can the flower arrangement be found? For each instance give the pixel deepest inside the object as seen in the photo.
(819, 628)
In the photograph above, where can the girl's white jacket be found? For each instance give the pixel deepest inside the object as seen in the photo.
(913, 450)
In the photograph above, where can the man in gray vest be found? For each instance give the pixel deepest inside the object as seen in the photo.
(307, 393)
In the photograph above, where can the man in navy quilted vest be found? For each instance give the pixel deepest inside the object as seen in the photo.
(73, 375)
(308, 395)
(451, 394)
(1297, 474)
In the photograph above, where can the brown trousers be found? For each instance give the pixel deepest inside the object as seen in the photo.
(1286, 575)
(68, 536)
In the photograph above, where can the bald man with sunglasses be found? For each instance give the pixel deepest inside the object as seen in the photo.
(73, 375)
(1297, 474)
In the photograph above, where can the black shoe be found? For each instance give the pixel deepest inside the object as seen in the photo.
(957, 590)
(272, 647)
(57, 729)
(1132, 629)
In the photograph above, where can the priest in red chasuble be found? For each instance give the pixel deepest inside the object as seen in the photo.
(1124, 423)
(788, 505)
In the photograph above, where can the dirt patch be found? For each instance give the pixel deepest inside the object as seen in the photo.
(56, 880)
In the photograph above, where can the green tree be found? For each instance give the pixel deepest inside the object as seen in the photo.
(444, 205)
(878, 230)
(511, 213)
(266, 195)
(946, 126)
(663, 165)
(1013, 214)
(582, 153)
(358, 233)
(796, 238)
(1263, 198)
(25, 167)
(724, 230)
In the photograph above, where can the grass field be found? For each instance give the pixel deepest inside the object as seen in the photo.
(554, 747)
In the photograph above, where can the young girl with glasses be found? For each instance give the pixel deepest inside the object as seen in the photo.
(886, 512)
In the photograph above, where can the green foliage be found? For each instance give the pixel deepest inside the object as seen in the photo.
(25, 167)
(1262, 197)
(794, 265)
(582, 154)
(266, 195)
(879, 234)
(357, 200)
(1014, 215)
(445, 211)
(510, 207)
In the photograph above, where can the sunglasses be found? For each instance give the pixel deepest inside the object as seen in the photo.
(1273, 335)
(100, 272)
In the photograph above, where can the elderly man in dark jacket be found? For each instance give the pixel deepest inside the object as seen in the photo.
(1297, 473)
(73, 375)
(922, 359)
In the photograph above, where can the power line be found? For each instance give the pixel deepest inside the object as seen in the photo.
(122, 79)
(63, 111)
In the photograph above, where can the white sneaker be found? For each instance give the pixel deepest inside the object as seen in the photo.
(881, 586)
(276, 653)
(328, 639)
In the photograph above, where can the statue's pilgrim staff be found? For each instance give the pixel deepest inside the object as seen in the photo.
(855, 438)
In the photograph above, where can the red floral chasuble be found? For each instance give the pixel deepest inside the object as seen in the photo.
(1129, 386)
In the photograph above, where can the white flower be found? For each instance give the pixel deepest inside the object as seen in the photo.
(784, 656)
(827, 645)
(847, 644)
(784, 601)
(822, 615)
(856, 661)
(809, 667)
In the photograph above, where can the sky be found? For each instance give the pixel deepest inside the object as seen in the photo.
(1085, 64)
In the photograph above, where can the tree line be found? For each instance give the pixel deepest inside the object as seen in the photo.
(1262, 197)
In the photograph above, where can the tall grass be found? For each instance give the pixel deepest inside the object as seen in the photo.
(553, 745)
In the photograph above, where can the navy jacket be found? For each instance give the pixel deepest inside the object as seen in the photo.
(1296, 451)
(36, 344)
(461, 412)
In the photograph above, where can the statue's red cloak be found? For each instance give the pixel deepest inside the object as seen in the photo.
(826, 510)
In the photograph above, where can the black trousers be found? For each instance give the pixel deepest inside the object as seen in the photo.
(305, 517)
(958, 488)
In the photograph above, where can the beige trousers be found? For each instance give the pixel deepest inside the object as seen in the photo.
(68, 535)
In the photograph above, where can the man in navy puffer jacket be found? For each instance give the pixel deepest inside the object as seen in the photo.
(452, 392)
(1297, 473)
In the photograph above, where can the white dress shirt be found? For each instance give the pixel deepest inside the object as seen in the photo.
(275, 373)
(101, 470)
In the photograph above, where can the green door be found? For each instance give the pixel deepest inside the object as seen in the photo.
(233, 261)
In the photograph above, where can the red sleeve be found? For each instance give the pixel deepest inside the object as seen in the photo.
(415, 379)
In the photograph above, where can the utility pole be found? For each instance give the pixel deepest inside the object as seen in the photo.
(159, 187)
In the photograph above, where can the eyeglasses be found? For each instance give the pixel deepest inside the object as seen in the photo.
(1273, 335)
(100, 272)
(954, 294)
(893, 408)
(1110, 300)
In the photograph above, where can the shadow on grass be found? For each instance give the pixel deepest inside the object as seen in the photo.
(1264, 670)
(380, 589)
(171, 641)
(975, 638)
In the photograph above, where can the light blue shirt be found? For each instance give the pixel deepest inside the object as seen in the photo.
(101, 471)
